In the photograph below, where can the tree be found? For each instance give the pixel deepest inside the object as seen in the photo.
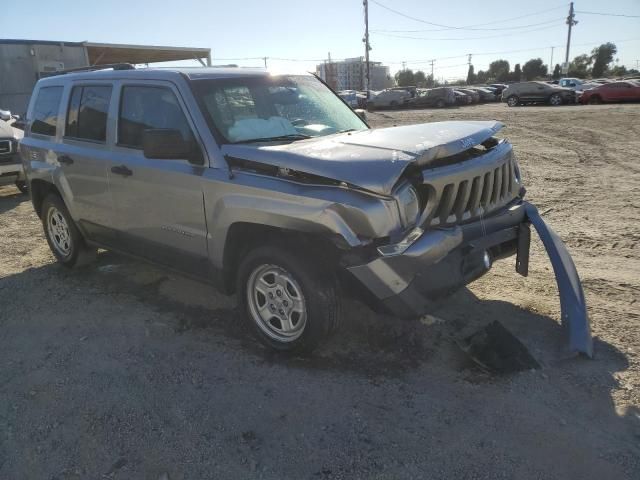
(471, 77)
(420, 79)
(618, 71)
(481, 76)
(602, 57)
(405, 78)
(557, 72)
(534, 68)
(430, 83)
(579, 67)
(499, 70)
(517, 73)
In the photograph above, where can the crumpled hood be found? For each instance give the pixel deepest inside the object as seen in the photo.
(371, 159)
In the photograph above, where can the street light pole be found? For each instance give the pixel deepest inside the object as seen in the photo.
(571, 22)
(367, 47)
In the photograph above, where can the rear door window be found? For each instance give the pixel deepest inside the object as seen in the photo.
(147, 108)
(88, 110)
(45, 111)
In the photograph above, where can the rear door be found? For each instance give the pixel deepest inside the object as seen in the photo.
(158, 204)
(84, 157)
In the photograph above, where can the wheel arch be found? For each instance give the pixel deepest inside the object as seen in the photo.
(243, 236)
(39, 190)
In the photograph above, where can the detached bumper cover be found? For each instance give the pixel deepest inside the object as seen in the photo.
(443, 260)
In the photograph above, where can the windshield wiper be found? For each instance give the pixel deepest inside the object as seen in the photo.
(292, 136)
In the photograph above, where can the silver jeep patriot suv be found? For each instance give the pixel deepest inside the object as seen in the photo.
(271, 187)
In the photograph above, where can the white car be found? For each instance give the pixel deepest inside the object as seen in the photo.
(389, 99)
(10, 165)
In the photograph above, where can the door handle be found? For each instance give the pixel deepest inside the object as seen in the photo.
(66, 159)
(122, 170)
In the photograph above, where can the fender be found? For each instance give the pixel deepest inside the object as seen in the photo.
(572, 303)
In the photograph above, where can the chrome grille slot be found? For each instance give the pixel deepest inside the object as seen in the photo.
(463, 191)
(5, 146)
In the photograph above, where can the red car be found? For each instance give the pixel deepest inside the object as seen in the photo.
(628, 91)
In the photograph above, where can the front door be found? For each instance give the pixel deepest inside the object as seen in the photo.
(158, 204)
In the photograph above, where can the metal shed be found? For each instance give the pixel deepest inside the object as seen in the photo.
(23, 62)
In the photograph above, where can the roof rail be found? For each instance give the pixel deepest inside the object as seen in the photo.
(93, 68)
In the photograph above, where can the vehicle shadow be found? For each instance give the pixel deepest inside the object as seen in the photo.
(367, 342)
(10, 198)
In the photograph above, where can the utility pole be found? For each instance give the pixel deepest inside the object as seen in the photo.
(265, 61)
(571, 21)
(404, 65)
(433, 80)
(551, 68)
(367, 46)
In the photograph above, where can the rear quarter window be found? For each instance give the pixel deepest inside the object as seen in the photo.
(45, 111)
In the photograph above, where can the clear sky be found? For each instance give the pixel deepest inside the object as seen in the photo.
(307, 31)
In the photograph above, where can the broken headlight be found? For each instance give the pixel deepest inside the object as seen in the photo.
(409, 205)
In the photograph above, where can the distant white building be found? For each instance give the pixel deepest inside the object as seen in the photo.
(350, 74)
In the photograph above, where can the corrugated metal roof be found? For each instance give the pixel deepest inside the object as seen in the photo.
(107, 53)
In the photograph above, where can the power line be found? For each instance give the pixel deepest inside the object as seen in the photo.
(409, 37)
(606, 14)
(451, 27)
(474, 29)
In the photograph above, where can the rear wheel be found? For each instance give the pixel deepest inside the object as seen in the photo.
(63, 237)
(595, 100)
(393, 104)
(440, 103)
(555, 100)
(289, 302)
(513, 101)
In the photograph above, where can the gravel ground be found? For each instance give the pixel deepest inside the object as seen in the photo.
(122, 370)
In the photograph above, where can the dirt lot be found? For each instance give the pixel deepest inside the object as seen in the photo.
(126, 371)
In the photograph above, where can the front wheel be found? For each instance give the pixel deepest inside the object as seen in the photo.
(513, 101)
(63, 237)
(288, 301)
(440, 103)
(555, 100)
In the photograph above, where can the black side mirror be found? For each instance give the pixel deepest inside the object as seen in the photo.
(168, 144)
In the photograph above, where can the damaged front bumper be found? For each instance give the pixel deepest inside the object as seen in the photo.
(440, 261)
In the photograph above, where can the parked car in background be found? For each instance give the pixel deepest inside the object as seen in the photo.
(627, 91)
(486, 94)
(10, 165)
(462, 98)
(475, 96)
(572, 83)
(433, 97)
(390, 98)
(350, 97)
(537, 92)
(498, 87)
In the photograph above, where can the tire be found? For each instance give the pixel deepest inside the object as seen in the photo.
(272, 279)
(595, 100)
(393, 104)
(555, 100)
(22, 186)
(62, 234)
(513, 101)
(440, 103)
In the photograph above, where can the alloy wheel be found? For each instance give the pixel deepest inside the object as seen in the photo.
(59, 233)
(276, 303)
